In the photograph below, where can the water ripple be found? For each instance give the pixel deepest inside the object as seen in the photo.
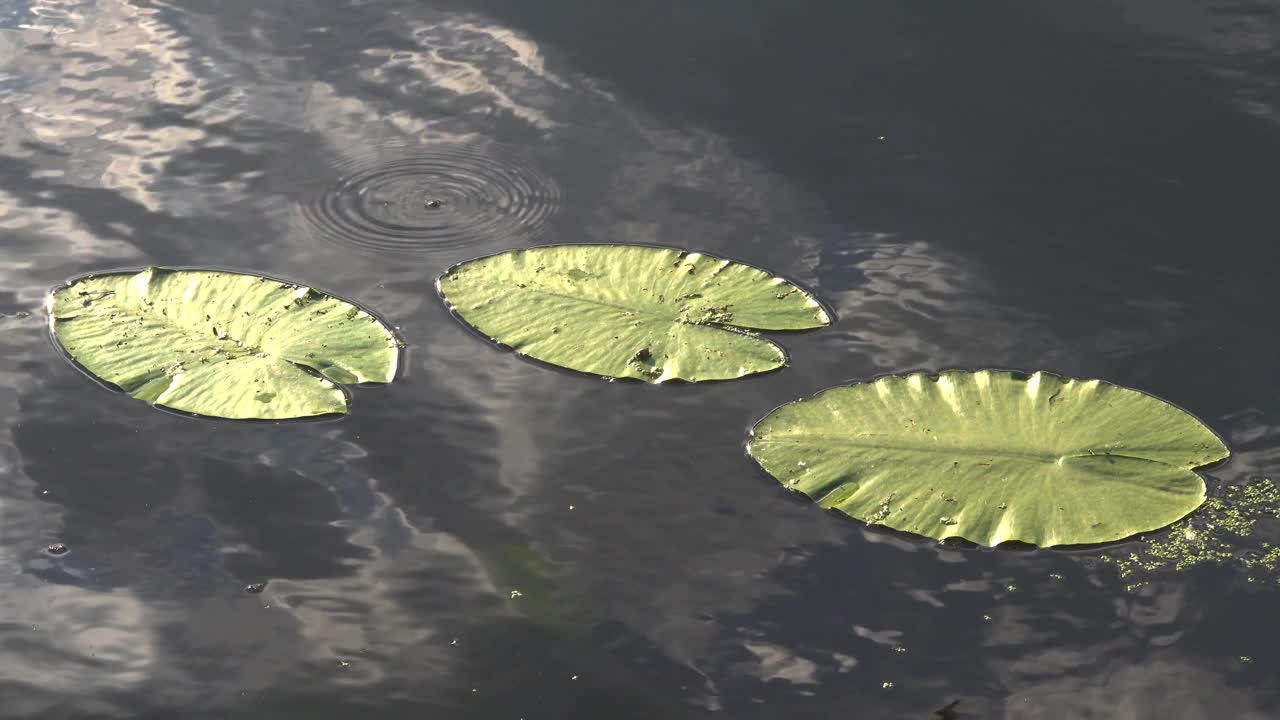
(435, 198)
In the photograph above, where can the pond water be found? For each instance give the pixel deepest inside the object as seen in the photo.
(1086, 189)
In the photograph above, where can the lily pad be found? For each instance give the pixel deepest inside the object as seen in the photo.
(992, 456)
(221, 344)
(625, 311)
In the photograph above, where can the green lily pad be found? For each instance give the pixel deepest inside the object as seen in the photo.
(626, 311)
(992, 456)
(221, 344)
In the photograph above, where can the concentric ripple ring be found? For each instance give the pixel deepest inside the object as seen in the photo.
(434, 198)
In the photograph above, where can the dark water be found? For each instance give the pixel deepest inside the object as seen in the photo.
(1088, 188)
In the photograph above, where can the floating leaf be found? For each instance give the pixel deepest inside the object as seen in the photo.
(653, 314)
(221, 344)
(992, 456)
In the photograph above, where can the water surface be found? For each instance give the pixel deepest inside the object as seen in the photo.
(1089, 191)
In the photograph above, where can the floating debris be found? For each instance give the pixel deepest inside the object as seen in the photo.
(1220, 532)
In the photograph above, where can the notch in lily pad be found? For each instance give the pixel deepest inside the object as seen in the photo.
(221, 344)
(992, 456)
(646, 313)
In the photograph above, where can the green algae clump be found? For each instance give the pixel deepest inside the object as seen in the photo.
(1223, 530)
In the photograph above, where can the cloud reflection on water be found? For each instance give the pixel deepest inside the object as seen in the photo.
(641, 540)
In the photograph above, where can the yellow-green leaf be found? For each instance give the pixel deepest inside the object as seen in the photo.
(648, 313)
(992, 456)
(221, 344)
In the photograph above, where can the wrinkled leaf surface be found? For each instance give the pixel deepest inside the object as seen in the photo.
(648, 313)
(221, 344)
(992, 456)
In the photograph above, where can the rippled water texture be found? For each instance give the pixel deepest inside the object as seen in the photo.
(441, 197)
(1087, 189)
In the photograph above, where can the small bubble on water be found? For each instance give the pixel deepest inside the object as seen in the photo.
(255, 588)
(57, 549)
